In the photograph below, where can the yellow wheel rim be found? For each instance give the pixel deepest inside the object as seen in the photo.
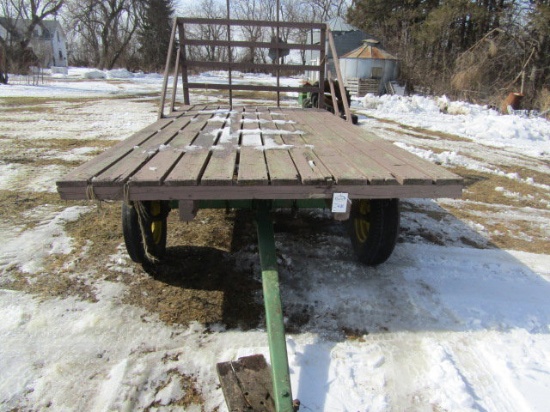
(157, 226)
(362, 221)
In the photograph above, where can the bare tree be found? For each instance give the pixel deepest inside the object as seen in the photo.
(105, 27)
(211, 9)
(251, 10)
(323, 10)
(20, 20)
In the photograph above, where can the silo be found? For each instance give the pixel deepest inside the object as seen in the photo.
(368, 69)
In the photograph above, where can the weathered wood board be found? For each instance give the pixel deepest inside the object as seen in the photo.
(247, 384)
(211, 152)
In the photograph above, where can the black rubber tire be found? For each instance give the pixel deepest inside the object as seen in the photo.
(374, 227)
(392, 222)
(156, 230)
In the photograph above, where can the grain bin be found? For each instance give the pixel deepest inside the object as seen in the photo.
(368, 68)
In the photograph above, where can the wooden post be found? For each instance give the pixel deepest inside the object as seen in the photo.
(339, 76)
(167, 70)
(278, 56)
(322, 66)
(183, 57)
(230, 56)
(175, 82)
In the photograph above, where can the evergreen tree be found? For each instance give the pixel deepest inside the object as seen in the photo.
(154, 35)
(475, 49)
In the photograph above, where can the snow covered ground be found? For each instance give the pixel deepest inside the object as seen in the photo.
(451, 322)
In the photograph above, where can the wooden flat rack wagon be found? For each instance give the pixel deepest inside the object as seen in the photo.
(257, 157)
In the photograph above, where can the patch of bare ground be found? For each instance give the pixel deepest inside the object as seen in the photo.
(525, 173)
(503, 230)
(43, 105)
(15, 204)
(191, 395)
(64, 145)
(420, 132)
(244, 96)
(198, 279)
(495, 189)
(17, 209)
(509, 210)
(53, 285)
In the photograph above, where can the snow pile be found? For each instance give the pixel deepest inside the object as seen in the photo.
(479, 123)
(27, 249)
(119, 74)
(94, 75)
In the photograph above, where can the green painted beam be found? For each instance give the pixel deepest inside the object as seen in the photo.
(273, 309)
(251, 204)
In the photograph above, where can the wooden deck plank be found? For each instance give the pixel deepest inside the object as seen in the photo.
(247, 384)
(310, 168)
(438, 174)
(325, 140)
(191, 165)
(121, 171)
(237, 192)
(372, 154)
(252, 163)
(346, 165)
(158, 167)
(103, 161)
(280, 166)
(221, 165)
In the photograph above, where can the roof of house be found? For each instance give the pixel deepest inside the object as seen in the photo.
(49, 26)
(339, 24)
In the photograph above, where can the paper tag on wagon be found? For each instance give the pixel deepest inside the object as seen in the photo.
(340, 203)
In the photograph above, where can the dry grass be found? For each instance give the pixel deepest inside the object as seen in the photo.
(421, 133)
(480, 187)
(16, 208)
(15, 204)
(15, 103)
(188, 384)
(248, 95)
(505, 233)
(486, 206)
(543, 102)
(198, 279)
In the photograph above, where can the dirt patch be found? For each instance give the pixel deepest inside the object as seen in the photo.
(188, 386)
(53, 285)
(419, 132)
(525, 173)
(14, 205)
(64, 145)
(495, 189)
(503, 231)
(198, 279)
(506, 208)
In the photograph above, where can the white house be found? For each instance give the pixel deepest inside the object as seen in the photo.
(48, 41)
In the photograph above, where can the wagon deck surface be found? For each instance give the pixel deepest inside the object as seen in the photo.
(214, 153)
